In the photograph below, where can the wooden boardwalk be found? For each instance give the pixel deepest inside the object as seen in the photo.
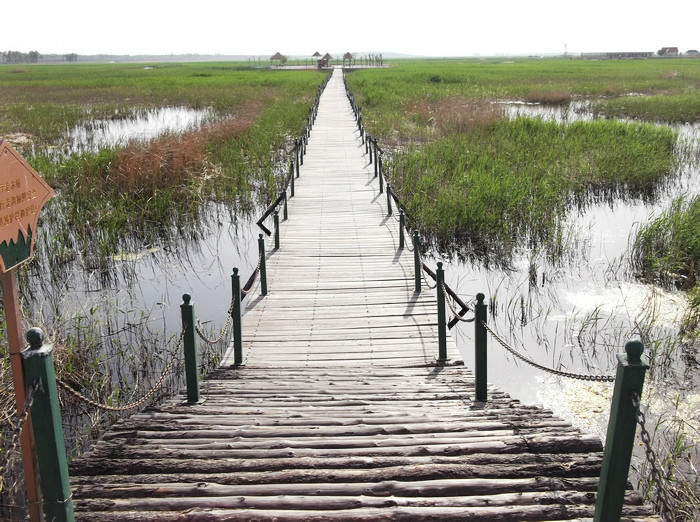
(340, 412)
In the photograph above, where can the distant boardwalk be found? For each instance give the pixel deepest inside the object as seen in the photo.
(340, 411)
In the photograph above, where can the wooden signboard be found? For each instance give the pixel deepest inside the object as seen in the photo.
(22, 195)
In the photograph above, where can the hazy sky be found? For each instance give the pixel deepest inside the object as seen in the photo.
(427, 28)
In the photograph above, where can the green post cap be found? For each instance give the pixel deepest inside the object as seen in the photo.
(35, 337)
(186, 298)
(634, 351)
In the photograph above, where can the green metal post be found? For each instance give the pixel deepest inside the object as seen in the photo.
(379, 167)
(37, 363)
(369, 142)
(442, 326)
(388, 200)
(480, 340)
(301, 151)
(296, 154)
(622, 426)
(376, 163)
(285, 214)
(263, 268)
(236, 317)
(402, 239)
(416, 260)
(291, 179)
(189, 342)
(276, 220)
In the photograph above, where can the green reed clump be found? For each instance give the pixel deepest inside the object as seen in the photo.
(678, 108)
(495, 188)
(666, 251)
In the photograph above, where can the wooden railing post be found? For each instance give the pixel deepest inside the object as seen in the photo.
(263, 266)
(369, 144)
(285, 213)
(402, 239)
(442, 326)
(480, 344)
(622, 426)
(189, 343)
(236, 318)
(50, 448)
(416, 260)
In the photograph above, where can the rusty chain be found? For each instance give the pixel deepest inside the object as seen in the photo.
(133, 405)
(596, 378)
(256, 272)
(17, 430)
(656, 476)
(224, 330)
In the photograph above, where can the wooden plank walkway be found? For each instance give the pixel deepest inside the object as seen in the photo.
(340, 412)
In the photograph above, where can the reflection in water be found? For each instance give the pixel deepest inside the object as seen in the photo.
(142, 126)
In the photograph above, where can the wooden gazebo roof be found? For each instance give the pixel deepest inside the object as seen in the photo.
(276, 57)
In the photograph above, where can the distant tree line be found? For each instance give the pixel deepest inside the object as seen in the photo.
(19, 57)
(31, 57)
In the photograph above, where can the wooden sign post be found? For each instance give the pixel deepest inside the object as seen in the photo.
(22, 195)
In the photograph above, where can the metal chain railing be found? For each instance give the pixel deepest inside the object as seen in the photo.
(662, 500)
(224, 330)
(133, 405)
(253, 278)
(597, 378)
(452, 308)
(17, 430)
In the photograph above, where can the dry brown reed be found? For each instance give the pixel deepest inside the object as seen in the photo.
(179, 159)
(455, 114)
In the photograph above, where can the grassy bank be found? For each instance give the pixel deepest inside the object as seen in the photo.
(499, 186)
(666, 251)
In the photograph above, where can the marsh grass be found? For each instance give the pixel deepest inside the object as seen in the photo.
(496, 189)
(141, 194)
(666, 251)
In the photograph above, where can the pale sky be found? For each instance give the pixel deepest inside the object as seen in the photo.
(426, 28)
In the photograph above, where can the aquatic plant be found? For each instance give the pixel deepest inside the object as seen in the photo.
(495, 189)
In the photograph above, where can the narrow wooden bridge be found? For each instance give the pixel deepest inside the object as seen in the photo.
(340, 411)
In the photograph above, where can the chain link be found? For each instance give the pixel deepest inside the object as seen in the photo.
(166, 371)
(455, 312)
(224, 330)
(17, 430)
(596, 378)
(245, 292)
(662, 495)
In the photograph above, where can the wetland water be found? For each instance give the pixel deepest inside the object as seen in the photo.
(573, 315)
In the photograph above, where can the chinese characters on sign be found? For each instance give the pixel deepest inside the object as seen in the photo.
(22, 195)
